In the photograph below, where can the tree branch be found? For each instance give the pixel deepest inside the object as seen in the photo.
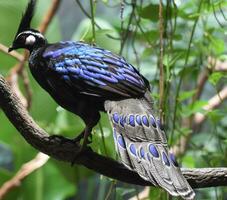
(14, 54)
(65, 150)
(49, 16)
(213, 103)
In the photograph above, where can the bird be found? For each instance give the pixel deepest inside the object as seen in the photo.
(86, 80)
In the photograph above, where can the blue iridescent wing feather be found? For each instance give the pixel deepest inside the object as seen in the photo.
(94, 71)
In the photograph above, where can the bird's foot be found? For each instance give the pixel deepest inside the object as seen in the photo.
(61, 139)
(85, 135)
(81, 136)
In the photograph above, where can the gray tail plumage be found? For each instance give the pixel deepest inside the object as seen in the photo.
(142, 146)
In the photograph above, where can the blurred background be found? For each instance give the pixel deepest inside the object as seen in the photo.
(193, 38)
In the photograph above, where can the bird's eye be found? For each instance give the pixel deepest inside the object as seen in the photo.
(30, 40)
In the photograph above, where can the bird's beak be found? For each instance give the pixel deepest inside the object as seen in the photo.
(10, 49)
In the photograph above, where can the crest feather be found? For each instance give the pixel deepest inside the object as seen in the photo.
(27, 17)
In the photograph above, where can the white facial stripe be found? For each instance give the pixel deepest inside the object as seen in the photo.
(32, 33)
(30, 40)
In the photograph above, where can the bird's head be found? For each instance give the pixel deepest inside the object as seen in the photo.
(26, 37)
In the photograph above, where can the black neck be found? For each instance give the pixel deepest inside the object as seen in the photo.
(38, 44)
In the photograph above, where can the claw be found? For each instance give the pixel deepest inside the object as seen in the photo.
(81, 136)
(60, 139)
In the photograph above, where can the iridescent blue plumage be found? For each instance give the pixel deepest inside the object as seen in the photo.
(97, 68)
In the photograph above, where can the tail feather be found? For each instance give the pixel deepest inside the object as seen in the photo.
(142, 146)
(120, 146)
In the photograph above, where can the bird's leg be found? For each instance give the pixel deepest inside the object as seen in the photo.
(85, 134)
(63, 139)
(90, 118)
(81, 136)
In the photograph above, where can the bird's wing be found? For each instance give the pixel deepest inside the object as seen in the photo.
(94, 71)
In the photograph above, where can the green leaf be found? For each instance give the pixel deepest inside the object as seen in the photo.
(215, 115)
(157, 193)
(188, 161)
(186, 95)
(169, 62)
(218, 45)
(193, 108)
(104, 36)
(215, 77)
(150, 12)
(198, 105)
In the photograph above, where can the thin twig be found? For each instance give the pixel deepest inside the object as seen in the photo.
(122, 22)
(161, 67)
(126, 34)
(92, 21)
(24, 171)
(113, 183)
(219, 5)
(12, 78)
(86, 13)
(49, 16)
(14, 54)
(202, 79)
(26, 83)
(218, 65)
(215, 15)
(213, 103)
(144, 194)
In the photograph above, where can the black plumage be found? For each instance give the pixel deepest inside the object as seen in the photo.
(26, 17)
(87, 79)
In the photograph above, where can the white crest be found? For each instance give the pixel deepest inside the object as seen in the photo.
(30, 40)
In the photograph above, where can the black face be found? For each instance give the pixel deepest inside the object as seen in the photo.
(19, 42)
(28, 39)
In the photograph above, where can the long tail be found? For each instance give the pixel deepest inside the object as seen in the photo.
(142, 146)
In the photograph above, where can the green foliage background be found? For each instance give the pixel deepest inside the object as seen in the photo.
(194, 32)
